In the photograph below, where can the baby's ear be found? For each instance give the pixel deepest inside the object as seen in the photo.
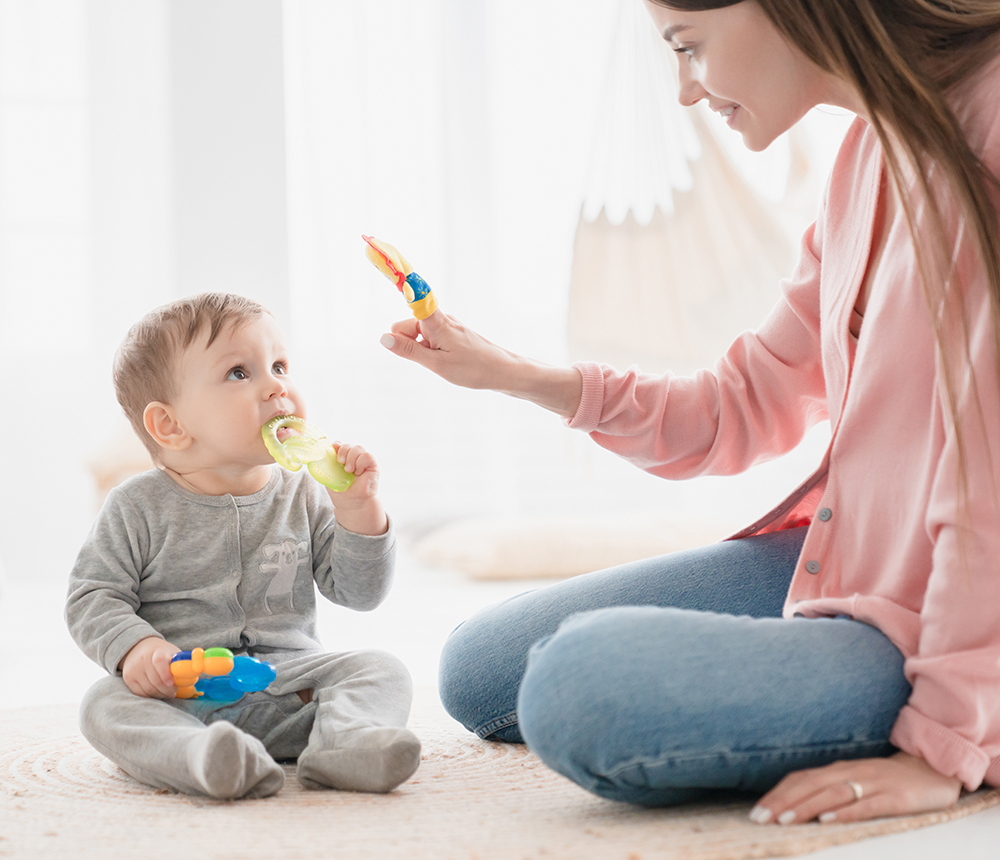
(161, 423)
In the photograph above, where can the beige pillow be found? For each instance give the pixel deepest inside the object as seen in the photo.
(559, 546)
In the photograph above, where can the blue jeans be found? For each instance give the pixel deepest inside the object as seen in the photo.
(662, 681)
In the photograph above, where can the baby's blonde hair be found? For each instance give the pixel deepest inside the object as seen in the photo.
(145, 362)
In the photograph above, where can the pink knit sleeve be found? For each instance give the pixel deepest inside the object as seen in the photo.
(588, 413)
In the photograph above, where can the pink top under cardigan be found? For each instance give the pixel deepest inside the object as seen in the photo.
(883, 544)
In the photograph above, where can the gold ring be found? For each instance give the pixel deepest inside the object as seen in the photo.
(859, 792)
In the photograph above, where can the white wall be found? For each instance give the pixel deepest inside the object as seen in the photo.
(47, 311)
(141, 159)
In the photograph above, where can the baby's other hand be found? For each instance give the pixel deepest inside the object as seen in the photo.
(146, 668)
(360, 463)
(358, 507)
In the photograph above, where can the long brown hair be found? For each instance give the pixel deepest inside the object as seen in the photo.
(903, 57)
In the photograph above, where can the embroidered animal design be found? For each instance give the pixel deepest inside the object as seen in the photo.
(283, 560)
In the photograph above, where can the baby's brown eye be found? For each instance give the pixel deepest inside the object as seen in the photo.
(237, 373)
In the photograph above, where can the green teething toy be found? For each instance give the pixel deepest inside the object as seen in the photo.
(311, 449)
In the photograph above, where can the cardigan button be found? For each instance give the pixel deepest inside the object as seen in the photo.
(825, 514)
(812, 566)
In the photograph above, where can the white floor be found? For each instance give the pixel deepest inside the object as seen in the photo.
(41, 664)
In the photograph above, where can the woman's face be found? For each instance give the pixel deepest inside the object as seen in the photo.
(736, 59)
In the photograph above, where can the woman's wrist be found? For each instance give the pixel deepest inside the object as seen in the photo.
(558, 389)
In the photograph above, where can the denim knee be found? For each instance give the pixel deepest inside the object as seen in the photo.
(580, 718)
(452, 674)
(475, 690)
(656, 706)
(559, 704)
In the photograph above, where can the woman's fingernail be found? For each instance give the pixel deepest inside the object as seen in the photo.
(387, 340)
(760, 815)
(827, 817)
(786, 817)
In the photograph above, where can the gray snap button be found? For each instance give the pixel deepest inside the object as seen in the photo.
(812, 566)
(825, 514)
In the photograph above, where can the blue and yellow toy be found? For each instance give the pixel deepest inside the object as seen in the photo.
(418, 294)
(216, 674)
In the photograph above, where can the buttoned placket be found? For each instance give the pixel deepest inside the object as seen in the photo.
(813, 566)
(236, 561)
(825, 514)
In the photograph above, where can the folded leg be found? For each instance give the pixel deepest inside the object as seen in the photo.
(162, 744)
(484, 659)
(655, 706)
(361, 702)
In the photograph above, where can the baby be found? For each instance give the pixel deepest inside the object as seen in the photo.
(220, 547)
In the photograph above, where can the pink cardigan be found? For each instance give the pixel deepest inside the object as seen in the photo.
(884, 543)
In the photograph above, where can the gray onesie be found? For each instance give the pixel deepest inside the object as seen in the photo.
(239, 572)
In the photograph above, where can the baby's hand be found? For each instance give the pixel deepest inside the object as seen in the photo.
(146, 668)
(358, 507)
(362, 465)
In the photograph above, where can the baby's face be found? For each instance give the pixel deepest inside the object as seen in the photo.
(229, 390)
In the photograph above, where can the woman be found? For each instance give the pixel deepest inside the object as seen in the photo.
(842, 655)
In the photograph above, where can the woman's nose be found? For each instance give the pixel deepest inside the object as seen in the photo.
(691, 92)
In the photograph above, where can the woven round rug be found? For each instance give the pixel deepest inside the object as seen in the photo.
(470, 800)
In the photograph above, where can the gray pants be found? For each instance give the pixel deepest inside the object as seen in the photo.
(351, 735)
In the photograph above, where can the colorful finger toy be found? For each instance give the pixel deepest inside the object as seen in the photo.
(307, 446)
(216, 674)
(394, 266)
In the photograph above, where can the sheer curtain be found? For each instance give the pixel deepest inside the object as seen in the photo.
(682, 239)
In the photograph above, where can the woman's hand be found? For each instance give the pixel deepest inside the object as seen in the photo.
(455, 353)
(858, 790)
(462, 357)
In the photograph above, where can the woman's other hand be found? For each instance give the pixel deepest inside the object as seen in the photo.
(858, 790)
